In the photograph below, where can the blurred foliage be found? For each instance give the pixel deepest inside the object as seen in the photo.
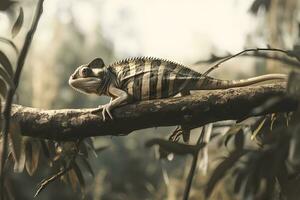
(262, 154)
(6, 4)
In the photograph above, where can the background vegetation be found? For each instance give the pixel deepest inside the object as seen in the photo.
(74, 32)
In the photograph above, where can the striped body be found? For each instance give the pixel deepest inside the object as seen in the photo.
(144, 78)
(153, 78)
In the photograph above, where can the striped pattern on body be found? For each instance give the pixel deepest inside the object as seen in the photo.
(152, 78)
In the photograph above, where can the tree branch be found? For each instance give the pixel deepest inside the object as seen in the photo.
(194, 110)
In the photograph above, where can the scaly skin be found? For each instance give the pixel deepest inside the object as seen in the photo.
(144, 78)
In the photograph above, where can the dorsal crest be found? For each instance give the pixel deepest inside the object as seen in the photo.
(146, 58)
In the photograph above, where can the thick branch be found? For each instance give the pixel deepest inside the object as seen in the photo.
(194, 110)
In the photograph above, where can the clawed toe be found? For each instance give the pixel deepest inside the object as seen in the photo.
(105, 110)
(96, 110)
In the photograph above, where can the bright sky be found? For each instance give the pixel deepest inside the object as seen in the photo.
(181, 30)
(185, 31)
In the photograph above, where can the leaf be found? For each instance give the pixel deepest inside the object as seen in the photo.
(240, 178)
(16, 140)
(227, 139)
(20, 164)
(88, 166)
(165, 176)
(73, 179)
(232, 131)
(4, 61)
(88, 142)
(3, 89)
(45, 148)
(8, 194)
(257, 4)
(221, 170)
(32, 156)
(11, 43)
(295, 53)
(6, 4)
(273, 119)
(1, 152)
(18, 24)
(239, 140)
(80, 177)
(174, 147)
(256, 131)
(83, 150)
(293, 85)
(100, 149)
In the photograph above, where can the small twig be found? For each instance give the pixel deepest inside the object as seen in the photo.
(288, 53)
(45, 182)
(11, 91)
(193, 167)
(281, 59)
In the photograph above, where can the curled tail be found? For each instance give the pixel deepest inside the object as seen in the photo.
(209, 83)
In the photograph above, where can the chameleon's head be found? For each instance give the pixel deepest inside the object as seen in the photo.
(87, 78)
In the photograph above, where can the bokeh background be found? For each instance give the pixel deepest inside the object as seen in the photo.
(71, 33)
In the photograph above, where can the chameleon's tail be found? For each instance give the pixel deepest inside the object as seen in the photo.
(213, 84)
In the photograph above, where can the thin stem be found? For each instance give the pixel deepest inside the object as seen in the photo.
(47, 181)
(191, 175)
(11, 91)
(242, 52)
(288, 61)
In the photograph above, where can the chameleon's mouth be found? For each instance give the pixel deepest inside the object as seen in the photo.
(86, 85)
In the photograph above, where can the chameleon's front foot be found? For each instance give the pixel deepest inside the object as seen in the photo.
(105, 109)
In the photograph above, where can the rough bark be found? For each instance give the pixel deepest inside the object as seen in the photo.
(194, 110)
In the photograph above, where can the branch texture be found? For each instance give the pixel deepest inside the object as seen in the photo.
(192, 111)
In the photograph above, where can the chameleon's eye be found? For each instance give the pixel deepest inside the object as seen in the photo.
(85, 72)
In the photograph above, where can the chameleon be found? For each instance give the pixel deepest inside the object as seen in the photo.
(145, 78)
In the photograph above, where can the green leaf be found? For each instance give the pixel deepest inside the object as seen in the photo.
(3, 88)
(174, 147)
(4, 61)
(18, 24)
(221, 170)
(11, 43)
